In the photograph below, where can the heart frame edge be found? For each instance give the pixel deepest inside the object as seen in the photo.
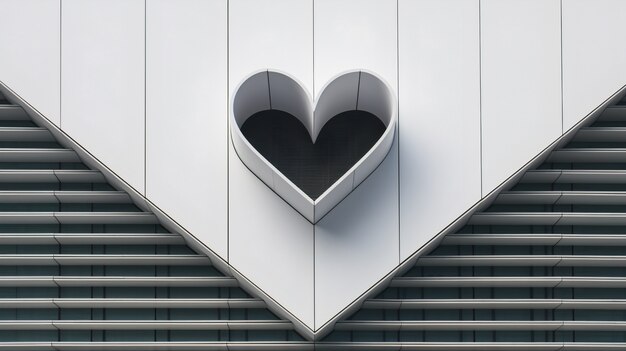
(360, 85)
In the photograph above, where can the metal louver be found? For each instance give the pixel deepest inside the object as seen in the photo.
(542, 268)
(83, 268)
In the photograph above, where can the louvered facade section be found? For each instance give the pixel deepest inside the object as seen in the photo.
(542, 268)
(83, 268)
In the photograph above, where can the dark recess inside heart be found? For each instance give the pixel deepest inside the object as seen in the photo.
(286, 144)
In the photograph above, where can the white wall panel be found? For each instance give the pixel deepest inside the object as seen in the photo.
(593, 56)
(274, 34)
(103, 82)
(353, 34)
(186, 115)
(270, 242)
(30, 55)
(521, 83)
(356, 244)
(439, 109)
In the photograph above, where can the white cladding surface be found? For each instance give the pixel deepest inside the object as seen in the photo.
(356, 34)
(30, 57)
(103, 82)
(593, 61)
(150, 101)
(521, 57)
(439, 116)
(186, 82)
(270, 242)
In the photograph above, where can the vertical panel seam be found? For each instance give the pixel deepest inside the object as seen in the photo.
(145, 98)
(562, 110)
(314, 225)
(313, 61)
(60, 63)
(358, 90)
(269, 89)
(398, 121)
(227, 131)
(480, 93)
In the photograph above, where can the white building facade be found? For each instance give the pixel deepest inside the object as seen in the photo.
(143, 91)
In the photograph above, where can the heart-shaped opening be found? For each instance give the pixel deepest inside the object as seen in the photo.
(312, 154)
(313, 167)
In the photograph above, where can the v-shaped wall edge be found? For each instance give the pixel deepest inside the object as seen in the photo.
(301, 327)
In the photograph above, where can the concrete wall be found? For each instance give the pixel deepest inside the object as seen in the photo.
(482, 86)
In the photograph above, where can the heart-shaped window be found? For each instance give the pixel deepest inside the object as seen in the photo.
(312, 154)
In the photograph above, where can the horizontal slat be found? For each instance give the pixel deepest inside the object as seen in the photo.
(132, 303)
(608, 176)
(37, 155)
(106, 259)
(78, 176)
(580, 218)
(146, 281)
(592, 198)
(489, 260)
(465, 346)
(145, 325)
(61, 196)
(110, 281)
(90, 239)
(523, 260)
(42, 197)
(548, 176)
(592, 240)
(537, 304)
(563, 197)
(28, 218)
(528, 197)
(78, 218)
(13, 113)
(36, 134)
(613, 114)
(454, 282)
(112, 259)
(480, 325)
(515, 218)
(159, 346)
(118, 238)
(27, 239)
(307, 346)
(50, 176)
(601, 134)
(502, 239)
(592, 282)
(106, 218)
(510, 282)
(548, 218)
(588, 155)
(28, 346)
(549, 239)
(91, 196)
(175, 325)
(160, 303)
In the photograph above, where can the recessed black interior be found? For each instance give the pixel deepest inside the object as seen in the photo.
(285, 142)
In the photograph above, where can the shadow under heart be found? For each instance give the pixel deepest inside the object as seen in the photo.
(285, 143)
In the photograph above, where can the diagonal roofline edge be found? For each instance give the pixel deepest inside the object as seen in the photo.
(247, 284)
(145, 204)
(461, 220)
